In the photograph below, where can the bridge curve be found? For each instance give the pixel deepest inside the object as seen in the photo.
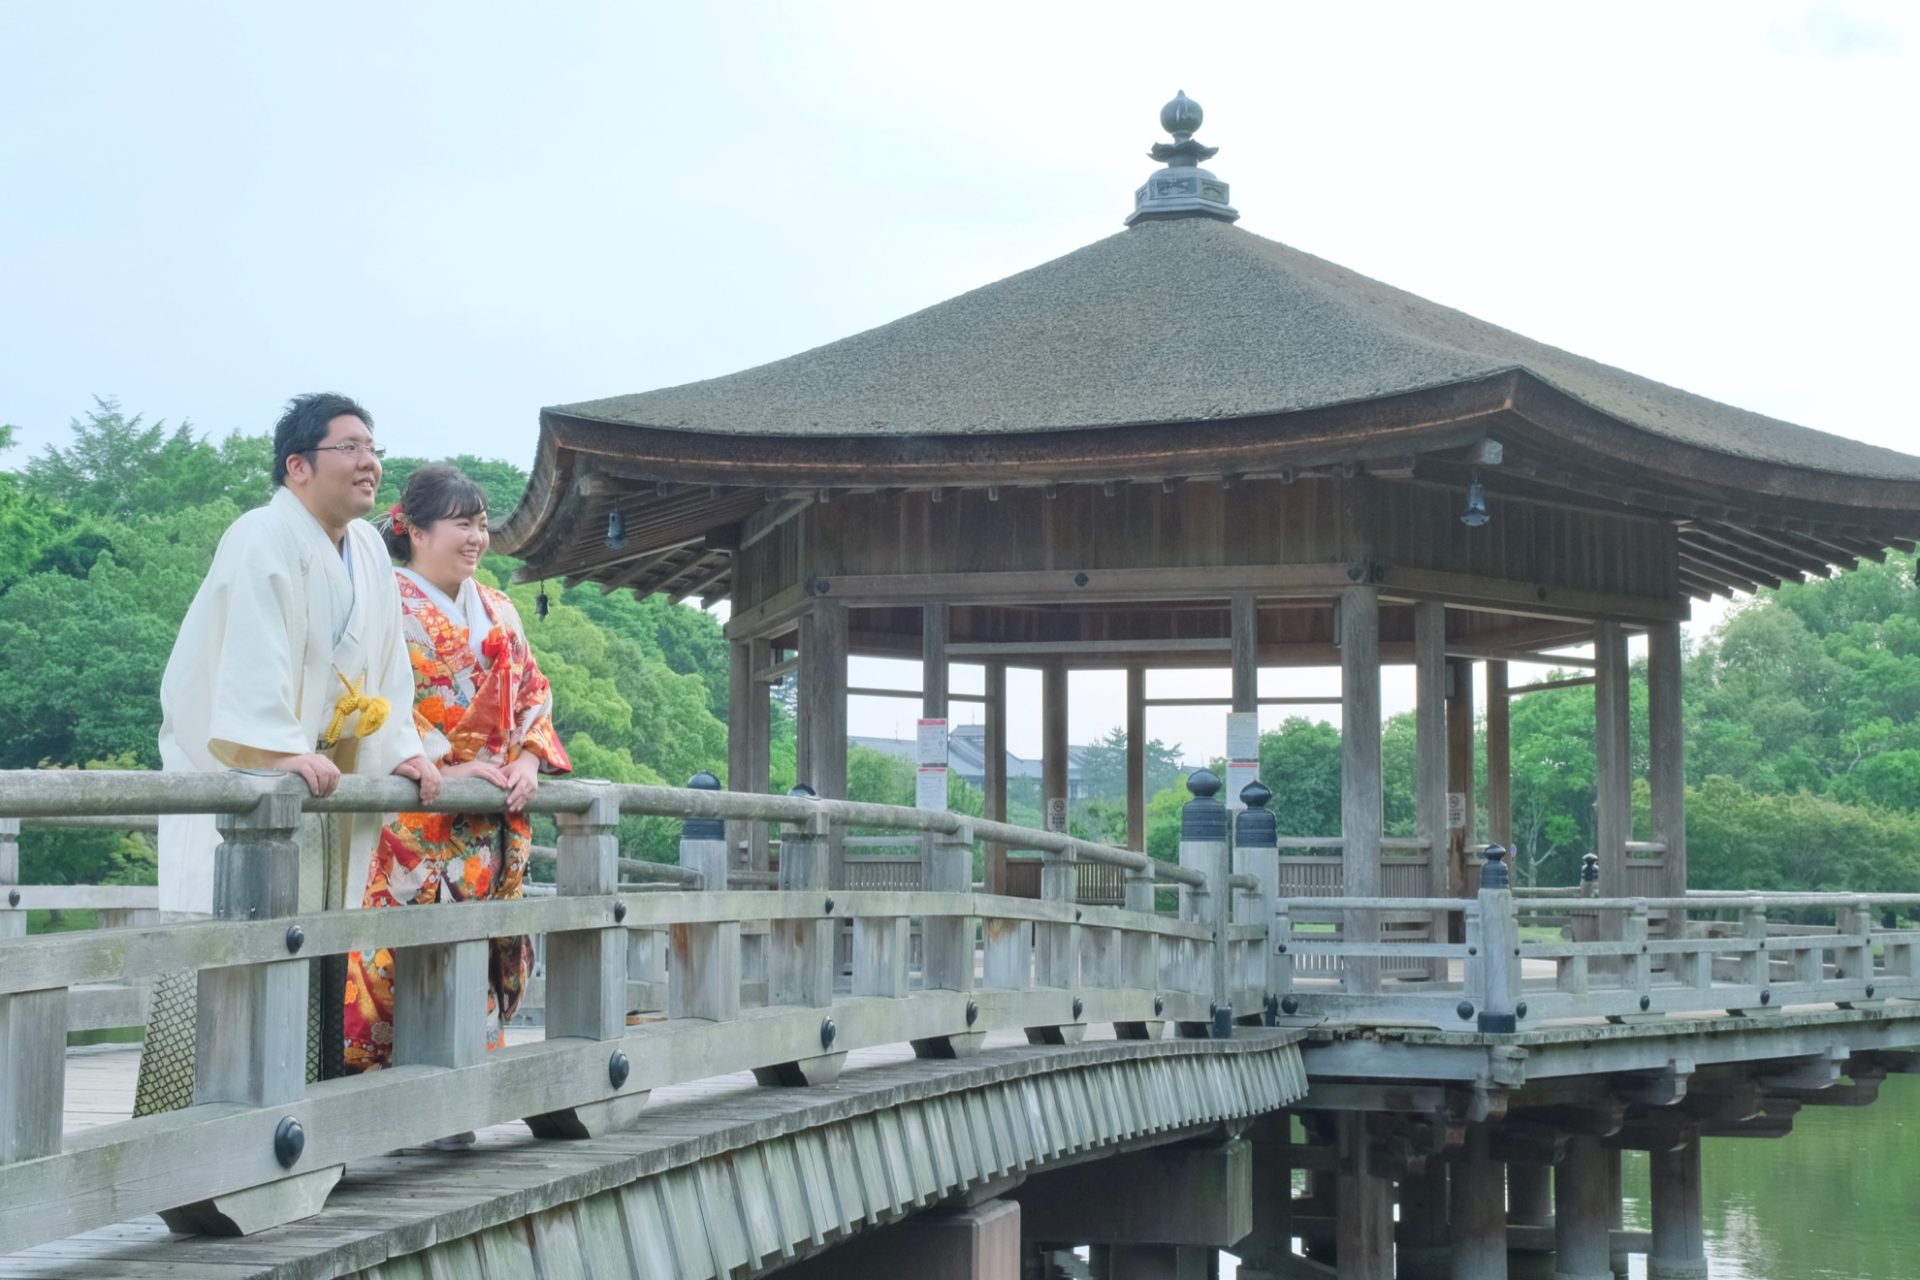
(726, 1178)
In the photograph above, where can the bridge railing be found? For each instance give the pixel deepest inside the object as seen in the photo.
(262, 1144)
(1609, 963)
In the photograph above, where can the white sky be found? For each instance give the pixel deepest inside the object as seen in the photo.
(461, 212)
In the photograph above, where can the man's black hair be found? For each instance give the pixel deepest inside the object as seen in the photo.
(304, 426)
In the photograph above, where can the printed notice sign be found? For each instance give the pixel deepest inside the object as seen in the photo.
(933, 744)
(1057, 814)
(1239, 774)
(1456, 811)
(1243, 736)
(930, 791)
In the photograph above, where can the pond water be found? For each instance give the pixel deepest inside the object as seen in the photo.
(1836, 1199)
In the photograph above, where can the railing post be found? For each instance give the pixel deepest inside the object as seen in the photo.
(1056, 961)
(13, 921)
(1256, 852)
(1638, 966)
(1499, 947)
(703, 977)
(33, 1042)
(1853, 952)
(1757, 965)
(800, 950)
(1203, 848)
(250, 1040)
(946, 942)
(587, 968)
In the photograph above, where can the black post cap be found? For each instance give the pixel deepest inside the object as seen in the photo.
(1494, 874)
(1203, 817)
(703, 828)
(804, 791)
(1204, 784)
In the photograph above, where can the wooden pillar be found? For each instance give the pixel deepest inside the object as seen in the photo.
(1499, 759)
(1478, 1210)
(1612, 740)
(1460, 768)
(1666, 754)
(1423, 1252)
(1363, 1205)
(1053, 739)
(823, 716)
(1137, 758)
(748, 749)
(1431, 757)
(1244, 621)
(994, 783)
(1360, 811)
(1581, 1211)
(1678, 1250)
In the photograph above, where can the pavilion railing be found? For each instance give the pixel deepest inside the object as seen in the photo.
(1608, 962)
(262, 1144)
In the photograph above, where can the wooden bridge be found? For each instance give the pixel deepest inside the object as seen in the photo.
(806, 1085)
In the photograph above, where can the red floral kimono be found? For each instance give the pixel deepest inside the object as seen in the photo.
(492, 706)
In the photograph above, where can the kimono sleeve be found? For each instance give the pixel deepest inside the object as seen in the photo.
(247, 615)
(533, 704)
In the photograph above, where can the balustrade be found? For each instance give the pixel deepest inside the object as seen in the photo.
(1239, 949)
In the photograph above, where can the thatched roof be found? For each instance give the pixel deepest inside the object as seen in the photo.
(1189, 320)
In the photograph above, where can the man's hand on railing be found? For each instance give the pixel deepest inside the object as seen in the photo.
(319, 773)
(422, 771)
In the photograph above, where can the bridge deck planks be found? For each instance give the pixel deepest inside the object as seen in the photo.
(387, 1205)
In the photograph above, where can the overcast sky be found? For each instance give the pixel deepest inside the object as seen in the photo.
(462, 212)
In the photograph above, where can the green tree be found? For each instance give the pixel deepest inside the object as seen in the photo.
(1103, 766)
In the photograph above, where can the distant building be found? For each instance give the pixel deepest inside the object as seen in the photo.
(967, 757)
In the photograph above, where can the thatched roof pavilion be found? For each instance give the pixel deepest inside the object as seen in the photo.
(1187, 444)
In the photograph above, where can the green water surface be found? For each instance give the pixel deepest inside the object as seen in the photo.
(1836, 1199)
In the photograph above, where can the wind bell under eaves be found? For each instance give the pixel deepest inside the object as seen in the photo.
(1183, 189)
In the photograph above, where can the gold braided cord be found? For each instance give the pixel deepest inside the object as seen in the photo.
(372, 712)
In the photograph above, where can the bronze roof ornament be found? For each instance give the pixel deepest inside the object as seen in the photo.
(1183, 189)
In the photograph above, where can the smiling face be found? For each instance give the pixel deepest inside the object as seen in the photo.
(337, 487)
(447, 552)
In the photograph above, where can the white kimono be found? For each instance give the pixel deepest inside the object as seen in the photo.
(255, 674)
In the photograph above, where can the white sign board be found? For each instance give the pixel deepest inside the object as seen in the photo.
(933, 743)
(1057, 814)
(1243, 735)
(1456, 811)
(930, 790)
(1239, 774)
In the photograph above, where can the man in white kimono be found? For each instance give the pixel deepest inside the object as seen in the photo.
(290, 658)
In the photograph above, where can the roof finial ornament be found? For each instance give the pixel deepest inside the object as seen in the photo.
(1182, 189)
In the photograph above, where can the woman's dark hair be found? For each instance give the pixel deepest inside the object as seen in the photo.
(303, 426)
(438, 492)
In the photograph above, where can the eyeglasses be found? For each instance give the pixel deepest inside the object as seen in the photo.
(352, 449)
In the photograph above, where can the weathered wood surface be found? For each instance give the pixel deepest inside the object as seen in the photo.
(723, 1176)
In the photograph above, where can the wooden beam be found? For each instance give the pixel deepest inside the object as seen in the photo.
(639, 566)
(1457, 650)
(771, 517)
(1697, 549)
(698, 584)
(1542, 686)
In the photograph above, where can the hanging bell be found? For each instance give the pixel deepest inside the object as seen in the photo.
(616, 530)
(541, 603)
(1476, 513)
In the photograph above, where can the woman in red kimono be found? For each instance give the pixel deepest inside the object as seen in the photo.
(483, 711)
